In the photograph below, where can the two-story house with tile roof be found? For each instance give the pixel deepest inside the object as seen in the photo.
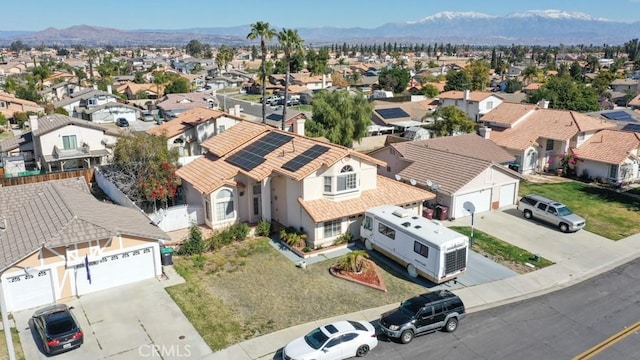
(474, 103)
(253, 171)
(539, 137)
(10, 104)
(610, 155)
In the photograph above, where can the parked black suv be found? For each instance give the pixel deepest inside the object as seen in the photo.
(423, 313)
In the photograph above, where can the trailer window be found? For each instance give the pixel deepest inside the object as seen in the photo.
(387, 231)
(421, 249)
(368, 223)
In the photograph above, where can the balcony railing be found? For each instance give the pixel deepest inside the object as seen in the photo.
(81, 151)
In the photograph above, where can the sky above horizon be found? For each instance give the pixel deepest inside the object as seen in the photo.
(184, 14)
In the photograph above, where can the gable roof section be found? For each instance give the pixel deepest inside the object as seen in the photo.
(15, 142)
(449, 170)
(187, 120)
(10, 98)
(186, 101)
(559, 125)
(109, 105)
(83, 95)
(469, 145)
(53, 122)
(208, 173)
(387, 192)
(234, 137)
(476, 96)
(609, 146)
(62, 212)
(507, 114)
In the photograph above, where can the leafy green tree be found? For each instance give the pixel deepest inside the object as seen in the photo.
(417, 66)
(21, 118)
(564, 93)
(224, 57)
(478, 72)
(41, 73)
(450, 120)
(179, 85)
(395, 79)
(194, 244)
(28, 92)
(601, 82)
(291, 42)
(429, 90)
(194, 48)
(512, 86)
(3, 120)
(530, 73)
(340, 116)
(265, 32)
(60, 110)
(457, 80)
(575, 71)
(18, 46)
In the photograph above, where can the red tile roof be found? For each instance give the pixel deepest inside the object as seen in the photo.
(609, 146)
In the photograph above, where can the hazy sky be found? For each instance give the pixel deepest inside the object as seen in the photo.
(180, 14)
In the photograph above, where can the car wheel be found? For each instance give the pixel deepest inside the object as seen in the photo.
(362, 351)
(564, 227)
(368, 245)
(451, 325)
(527, 214)
(411, 270)
(406, 336)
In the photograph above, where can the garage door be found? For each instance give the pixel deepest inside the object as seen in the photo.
(507, 195)
(115, 270)
(24, 291)
(481, 200)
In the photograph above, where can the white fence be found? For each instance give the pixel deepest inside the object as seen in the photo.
(112, 191)
(178, 217)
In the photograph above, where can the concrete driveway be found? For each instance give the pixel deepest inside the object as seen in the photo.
(130, 322)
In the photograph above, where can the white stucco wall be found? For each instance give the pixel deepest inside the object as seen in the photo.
(86, 135)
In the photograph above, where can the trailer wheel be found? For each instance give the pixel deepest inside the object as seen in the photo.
(411, 270)
(368, 245)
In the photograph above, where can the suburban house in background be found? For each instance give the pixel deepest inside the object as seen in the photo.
(253, 172)
(538, 137)
(82, 245)
(172, 105)
(473, 103)
(192, 127)
(459, 169)
(132, 90)
(97, 106)
(9, 105)
(58, 142)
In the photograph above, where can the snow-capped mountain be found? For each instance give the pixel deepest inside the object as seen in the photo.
(556, 14)
(451, 15)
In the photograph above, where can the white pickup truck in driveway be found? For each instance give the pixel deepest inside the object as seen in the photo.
(553, 212)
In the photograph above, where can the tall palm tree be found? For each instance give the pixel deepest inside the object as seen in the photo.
(263, 31)
(291, 43)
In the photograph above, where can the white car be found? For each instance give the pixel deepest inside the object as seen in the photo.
(336, 341)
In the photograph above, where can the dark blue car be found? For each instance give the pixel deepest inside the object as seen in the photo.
(57, 328)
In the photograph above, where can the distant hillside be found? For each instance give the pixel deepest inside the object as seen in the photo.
(535, 27)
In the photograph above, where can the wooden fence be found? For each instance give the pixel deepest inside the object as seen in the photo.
(22, 180)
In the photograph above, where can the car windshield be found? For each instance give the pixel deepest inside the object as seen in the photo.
(564, 211)
(412, 306)
(59, 323)
(316, 338)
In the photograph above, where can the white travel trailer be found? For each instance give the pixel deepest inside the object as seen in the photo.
(425, 247)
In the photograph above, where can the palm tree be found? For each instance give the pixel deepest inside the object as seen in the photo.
(353, 261)
(529, 73)
(291, 43)
(263, 31)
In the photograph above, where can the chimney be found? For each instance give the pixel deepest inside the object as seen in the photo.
(236, 109)
(324, 82)
(33, 122)
(95, 86)
(484, 132)
(466, 95)
(544, 104)
(298, 126)
(109, 89)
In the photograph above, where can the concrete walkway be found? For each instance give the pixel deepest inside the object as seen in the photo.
(577, 256)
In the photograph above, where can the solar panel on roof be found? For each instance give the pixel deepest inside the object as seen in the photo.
(632, 128)
(305, 158)
(253, 155)
(618, 116)
(392, 113)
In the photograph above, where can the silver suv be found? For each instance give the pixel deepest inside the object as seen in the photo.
(553, 212)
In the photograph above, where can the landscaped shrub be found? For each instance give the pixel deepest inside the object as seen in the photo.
(263, 228)
(239, 232)
(293, 237)
(198, 260)
(343, 239)
(193, 244)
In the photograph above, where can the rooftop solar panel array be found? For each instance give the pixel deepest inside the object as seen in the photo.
(632, 128)
(305, 158)
(392, 113)
(253, 155)
(618, 116)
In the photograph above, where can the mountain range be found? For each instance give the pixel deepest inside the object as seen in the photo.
(534, 27)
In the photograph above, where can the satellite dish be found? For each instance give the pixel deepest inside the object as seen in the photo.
(398, 177)
(429, 183)
(413, 182)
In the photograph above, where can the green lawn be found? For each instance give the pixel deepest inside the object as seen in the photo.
(249, 289)
(608, 213)
(16, 345)
(501, 251)
(6, 134)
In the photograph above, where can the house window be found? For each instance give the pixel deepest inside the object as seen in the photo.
(347, 181)
(613, 171)
(257, 189)
(421, 249)
(327, 184)
(388, 168)
(3, 105)
(332, 228)
(549, 144)
(69, 142)
(224, 205)
(92, 102)
(387, 231)
(489, 105)
(207, 210)
(221, 128)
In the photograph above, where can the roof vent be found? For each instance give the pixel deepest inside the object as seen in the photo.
(401, 213)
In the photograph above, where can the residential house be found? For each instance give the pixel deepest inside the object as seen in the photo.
(609, 155)
(635, 102)
(172, 105)
(10, 104)
(401, 115)
(627, 86)
(460, 170)
(474, 103)
(82, 245)
(85, 99)
(58, 142)
(539, 137)
(108, 113)
(59, 91)
(189, 129)
(318, 82)
(253, 172)
(132, 90)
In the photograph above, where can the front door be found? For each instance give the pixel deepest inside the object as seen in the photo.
(256, 204)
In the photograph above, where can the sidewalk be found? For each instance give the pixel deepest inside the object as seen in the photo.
(593, 256)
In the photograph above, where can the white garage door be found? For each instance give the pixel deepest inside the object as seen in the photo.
(24, 291)
(507, 195)
(115, 270)
(481, 200)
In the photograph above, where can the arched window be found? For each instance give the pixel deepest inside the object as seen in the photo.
(348, 179)
(224, 205)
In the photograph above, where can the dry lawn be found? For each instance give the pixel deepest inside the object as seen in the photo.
(16, 345)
